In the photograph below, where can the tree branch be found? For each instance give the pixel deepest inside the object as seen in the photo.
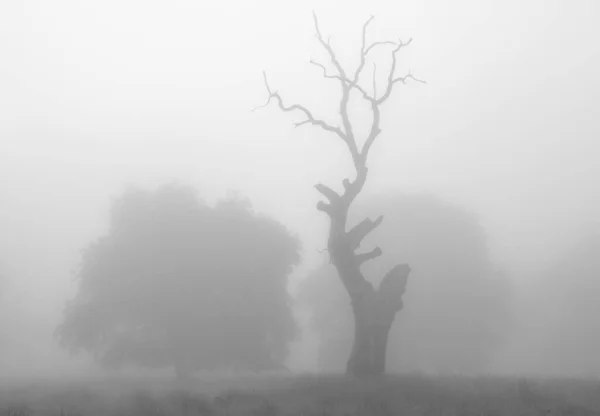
(345, 131)
(408, 76)
(363, 257)
(374, 80)
(329, 193)
(364, 50)
(348, 133)
(328, 48)
(347, 82)
(390, 85)
(309, 117)
(375, 131)
(324, 207)
(360, 231)
(325, 74)
(357, 185)
(376, 102)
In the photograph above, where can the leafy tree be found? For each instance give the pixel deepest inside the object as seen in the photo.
(176, 282)
(3, 323)
(457, 311)
(565, 310)
(374, 309)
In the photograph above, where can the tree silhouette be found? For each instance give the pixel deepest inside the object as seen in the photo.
(178, 283)
(457, 311)
(565, 306)
(374, 310)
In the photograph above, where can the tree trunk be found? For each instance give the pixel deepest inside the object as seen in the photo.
(372, 323)
(374, 309)
(369, 351)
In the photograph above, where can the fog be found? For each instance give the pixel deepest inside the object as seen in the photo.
(96, 96)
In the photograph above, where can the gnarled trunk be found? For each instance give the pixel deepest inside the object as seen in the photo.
(374, 309)
(374, 313)
(369, 349)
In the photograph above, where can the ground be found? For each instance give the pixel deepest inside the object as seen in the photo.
(303, 395)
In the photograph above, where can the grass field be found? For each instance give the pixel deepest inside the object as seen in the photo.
(303, 395)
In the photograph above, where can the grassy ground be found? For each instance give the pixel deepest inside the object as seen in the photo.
(304, 395)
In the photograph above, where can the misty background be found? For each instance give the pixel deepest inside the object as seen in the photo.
(95, 96)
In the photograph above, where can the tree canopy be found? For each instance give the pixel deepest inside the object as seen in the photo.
(176, 282)
(456, 308)
(565, 310)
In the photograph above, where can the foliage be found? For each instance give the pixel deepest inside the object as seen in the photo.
(565, 310)
(176, 282)
(456, 311)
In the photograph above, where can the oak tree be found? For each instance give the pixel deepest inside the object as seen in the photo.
(176, 282)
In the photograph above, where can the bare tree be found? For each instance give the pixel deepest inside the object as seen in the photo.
(374, 309)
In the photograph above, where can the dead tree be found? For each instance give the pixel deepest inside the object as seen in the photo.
(374, 309)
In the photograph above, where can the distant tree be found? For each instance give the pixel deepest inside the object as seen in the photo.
(457, 311)
(178, 283)
(3, 279)
(567, 327)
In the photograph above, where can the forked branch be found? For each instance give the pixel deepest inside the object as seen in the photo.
(391, 74)
(345, 130)
(329, 193)
(310, 119)
(328, 48)
(360, 231)
(364, 50)
(407, 76)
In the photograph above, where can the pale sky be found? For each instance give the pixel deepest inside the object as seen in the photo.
(95, 95)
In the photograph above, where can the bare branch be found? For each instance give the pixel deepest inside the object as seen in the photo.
(364, 93)
(346, 182)
(381, 43)
(328, 48)
(346, 82)
(268, 90)
(360, 231)
(325, 74)
(301, 123)
(309, 117)
(375, 130)
(354, 187)
(329, 193)
(364, 50)
(374, 81)
(324, 207)
(347, 131)
(376, 102)
(408, 76)
(390, 85)
(363, 257)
